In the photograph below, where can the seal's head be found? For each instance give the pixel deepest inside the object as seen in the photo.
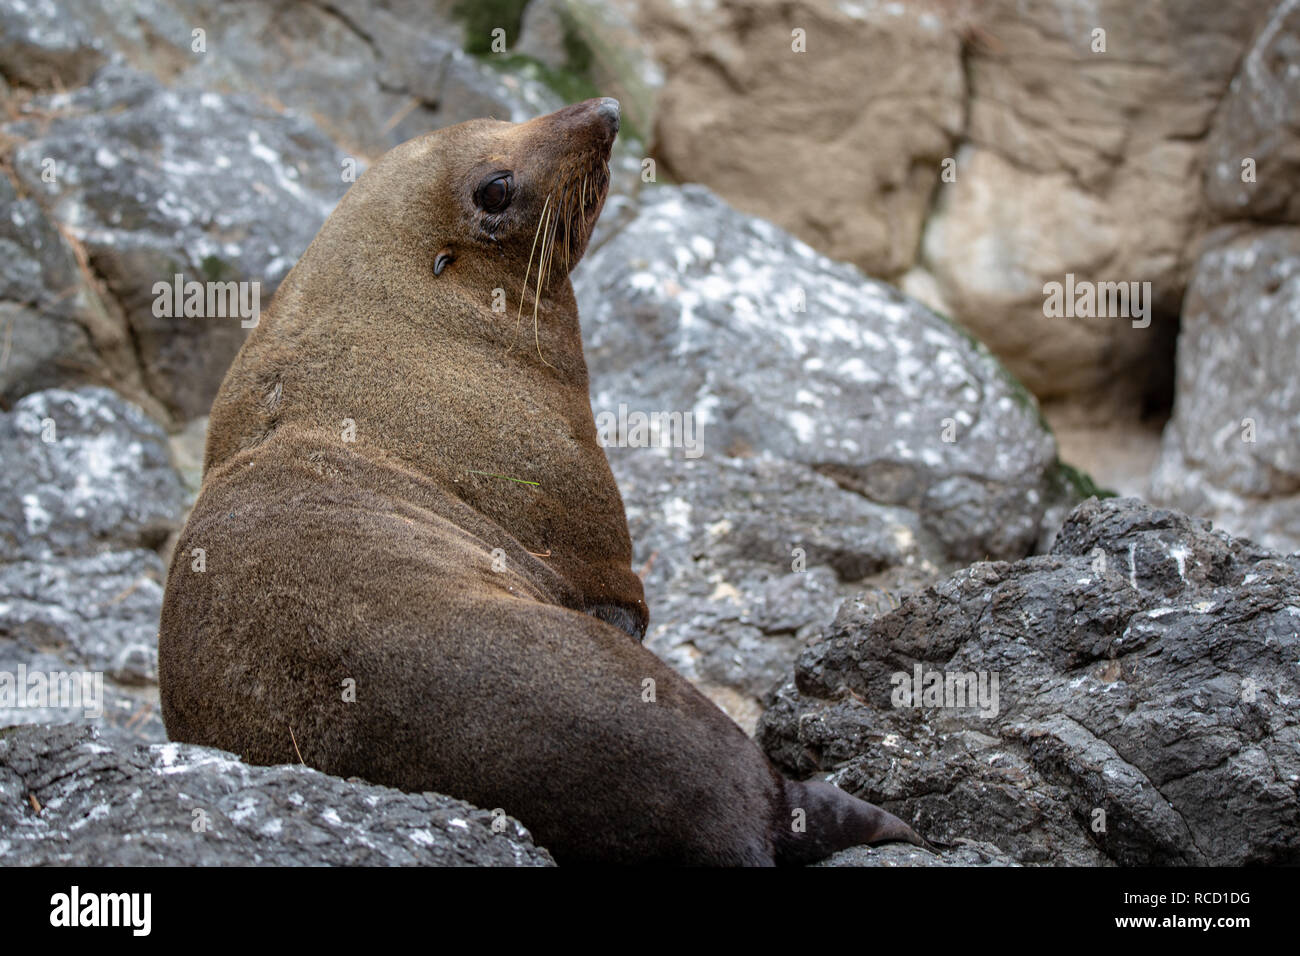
(513, 201)
(535, 188)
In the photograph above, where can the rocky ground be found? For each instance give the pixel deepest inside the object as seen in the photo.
(1145, 710)
(876, 489)
(65, 795)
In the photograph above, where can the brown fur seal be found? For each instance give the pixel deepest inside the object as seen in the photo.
(490, 626)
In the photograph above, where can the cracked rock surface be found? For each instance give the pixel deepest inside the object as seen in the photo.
(151, 138)
(69, 797)
(1148, 706)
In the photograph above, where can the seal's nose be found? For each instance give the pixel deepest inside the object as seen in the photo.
(607, 109)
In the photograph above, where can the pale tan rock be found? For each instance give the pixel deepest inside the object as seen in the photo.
(1000, 233)
(1072, 160)
(841, 144)
(1087, 163)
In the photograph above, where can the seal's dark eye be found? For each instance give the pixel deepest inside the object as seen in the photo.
(495, 193)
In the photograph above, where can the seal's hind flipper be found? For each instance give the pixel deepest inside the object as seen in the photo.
(834, 820)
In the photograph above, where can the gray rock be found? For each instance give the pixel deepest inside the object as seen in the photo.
(544, 30)
(103, 481)
(719, 539)
(1231, 451)
(965, 853)
(34, 263)
(1259, 120)
(148, 198)
(99, 612)
(80, 586)
(104, 803)
(1146, 707)
(821, 429)
(42, 47)
(371, 74)
(857, 387)
(54, 326)
(127, 712)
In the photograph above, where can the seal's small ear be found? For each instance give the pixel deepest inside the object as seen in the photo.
(443, 259)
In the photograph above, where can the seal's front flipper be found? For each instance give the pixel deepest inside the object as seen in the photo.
(622, 617)
(834, 820)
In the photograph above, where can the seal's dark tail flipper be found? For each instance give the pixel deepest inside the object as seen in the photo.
(833, 820)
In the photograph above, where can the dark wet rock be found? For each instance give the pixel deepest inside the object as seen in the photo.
(1146, 699)
(1231, 452)
(103, 803)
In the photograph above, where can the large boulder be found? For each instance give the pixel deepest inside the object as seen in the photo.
(1086, 162)
(148, 199)
(1253, 160)
(1022, 147)
(371, 74)
(68, 797)
(1143, 710)
(56, 326)
(842, 429)
(1231, 452)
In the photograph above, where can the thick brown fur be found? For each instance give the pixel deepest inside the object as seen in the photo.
(364, 522)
